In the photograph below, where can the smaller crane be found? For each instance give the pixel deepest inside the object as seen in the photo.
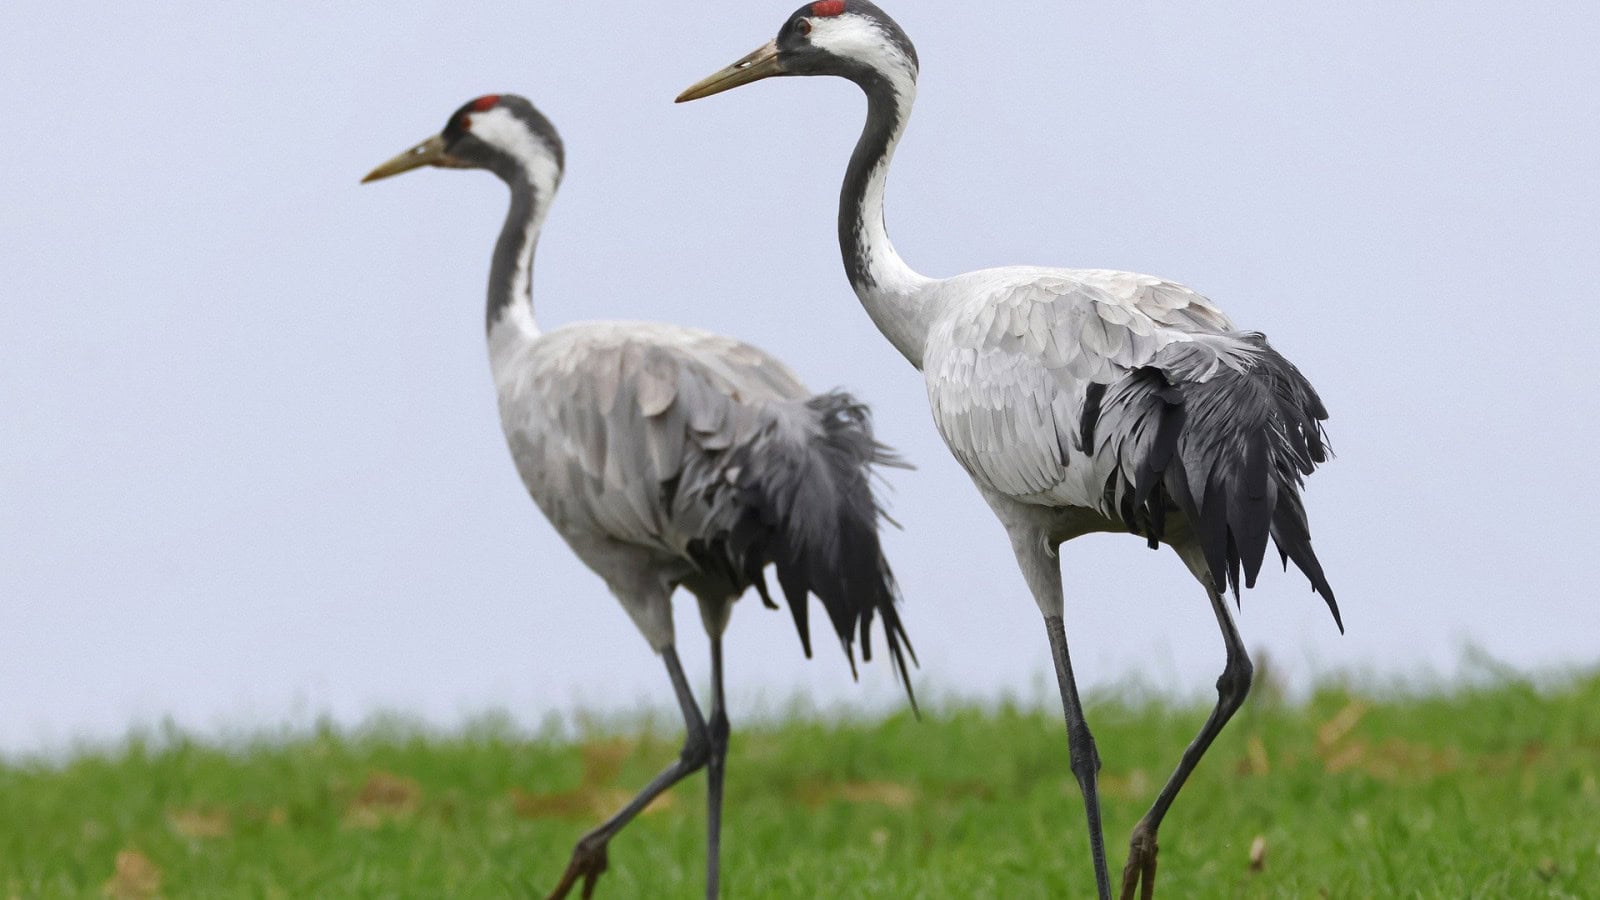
(670, 457)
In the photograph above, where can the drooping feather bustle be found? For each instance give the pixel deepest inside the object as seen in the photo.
(1230, 453)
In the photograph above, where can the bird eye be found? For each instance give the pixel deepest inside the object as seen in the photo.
(466, 123)
(803, 26)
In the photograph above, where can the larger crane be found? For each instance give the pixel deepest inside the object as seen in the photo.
(670, 457)
(1078, 400)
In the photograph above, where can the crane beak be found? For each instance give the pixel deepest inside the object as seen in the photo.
(428, 153)
(763, 63)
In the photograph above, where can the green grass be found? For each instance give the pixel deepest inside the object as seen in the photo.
(1487, 791)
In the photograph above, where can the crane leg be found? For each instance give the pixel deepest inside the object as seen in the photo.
(1232, 687)
(589, 856)
(716, 766)
(1080, 747)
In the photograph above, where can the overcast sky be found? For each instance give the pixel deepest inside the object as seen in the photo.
(250, 464)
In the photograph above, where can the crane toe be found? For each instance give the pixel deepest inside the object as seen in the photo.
(1141, 868)
(588, 863)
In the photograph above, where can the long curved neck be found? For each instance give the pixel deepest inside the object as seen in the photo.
(511, 272)
(891, 291)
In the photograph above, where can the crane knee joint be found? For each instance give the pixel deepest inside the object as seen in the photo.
(696, 749)
(1084, 757)
(1234, 682)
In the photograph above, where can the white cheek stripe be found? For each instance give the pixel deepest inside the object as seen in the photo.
(858, 38)
(507, 133)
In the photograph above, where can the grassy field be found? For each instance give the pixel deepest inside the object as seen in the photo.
(1477, 792)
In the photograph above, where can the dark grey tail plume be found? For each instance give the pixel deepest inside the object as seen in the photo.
(809, 498)
(1231, 454)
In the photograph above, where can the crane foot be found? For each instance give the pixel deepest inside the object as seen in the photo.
(1141, 865)
(588, 863)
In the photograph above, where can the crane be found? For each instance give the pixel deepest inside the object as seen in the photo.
(1078, 400)
(670, 457)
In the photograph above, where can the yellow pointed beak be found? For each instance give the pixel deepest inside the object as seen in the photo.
(763, 63)
(428, 153)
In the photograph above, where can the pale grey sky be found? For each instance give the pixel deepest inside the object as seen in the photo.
(251, 470)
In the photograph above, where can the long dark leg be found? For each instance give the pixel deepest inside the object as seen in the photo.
(589, 856)
(1232, 687)
(716, 765)
(1080, 748)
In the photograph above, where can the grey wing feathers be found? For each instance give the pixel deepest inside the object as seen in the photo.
(1045, 375)
(1009, 382)
(611, 412)
(712, 452)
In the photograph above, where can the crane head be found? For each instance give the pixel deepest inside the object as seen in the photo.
(853, 39)
(503, 133)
